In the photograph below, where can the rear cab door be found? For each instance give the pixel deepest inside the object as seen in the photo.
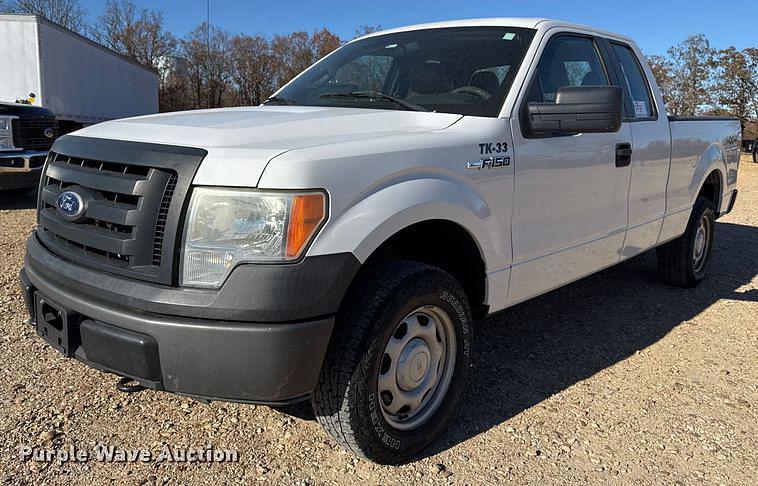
(570, 194)
(645, 115)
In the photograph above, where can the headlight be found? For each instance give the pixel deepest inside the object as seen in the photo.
(226, 227)
(6, 133)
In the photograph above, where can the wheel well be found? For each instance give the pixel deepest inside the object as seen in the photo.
(443, 244)
(711, 189)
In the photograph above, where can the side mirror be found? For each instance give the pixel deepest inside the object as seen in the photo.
(578, 109)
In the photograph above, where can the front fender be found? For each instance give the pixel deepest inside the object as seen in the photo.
(375, 217)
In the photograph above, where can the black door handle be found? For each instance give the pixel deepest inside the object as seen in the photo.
(623, 154)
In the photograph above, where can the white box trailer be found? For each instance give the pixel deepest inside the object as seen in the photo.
(80, 81)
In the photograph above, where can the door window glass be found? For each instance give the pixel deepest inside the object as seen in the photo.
(637, 95)
(567, 61)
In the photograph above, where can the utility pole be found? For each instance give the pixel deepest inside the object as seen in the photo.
(208, 25)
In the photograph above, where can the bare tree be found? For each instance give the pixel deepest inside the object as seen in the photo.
(208, 67)
(67, 13)
(323, 42)
(139, 34)
(366, 30)
(692, 64)
(295, 52)
(252, 72)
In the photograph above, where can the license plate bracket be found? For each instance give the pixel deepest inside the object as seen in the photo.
(54, 325)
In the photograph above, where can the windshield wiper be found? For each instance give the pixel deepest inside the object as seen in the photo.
(278, 100)
(375, 95)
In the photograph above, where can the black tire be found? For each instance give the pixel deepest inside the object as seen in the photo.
(676, 259)
(346, 400)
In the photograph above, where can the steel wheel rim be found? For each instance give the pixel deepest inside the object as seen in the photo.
(701, 245)
(417, 367)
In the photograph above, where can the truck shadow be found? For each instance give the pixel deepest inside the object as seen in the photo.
(538, 348)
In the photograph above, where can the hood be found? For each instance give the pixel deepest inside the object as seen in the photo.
(243, 140)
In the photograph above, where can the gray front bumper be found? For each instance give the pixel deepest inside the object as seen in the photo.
(245, 361)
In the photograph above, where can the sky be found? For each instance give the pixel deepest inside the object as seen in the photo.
(655, 25)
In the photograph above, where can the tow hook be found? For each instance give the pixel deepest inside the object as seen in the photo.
(128, 385)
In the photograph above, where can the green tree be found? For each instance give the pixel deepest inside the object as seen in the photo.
(736, 86)
(661, 67)
(692, 63)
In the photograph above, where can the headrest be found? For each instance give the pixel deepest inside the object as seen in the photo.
(429, 78)
(486, 80)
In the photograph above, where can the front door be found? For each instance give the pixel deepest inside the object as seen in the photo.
(570, 197)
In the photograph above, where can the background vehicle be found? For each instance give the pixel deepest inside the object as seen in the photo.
(338, 243)
(77, 81)
(26, 134)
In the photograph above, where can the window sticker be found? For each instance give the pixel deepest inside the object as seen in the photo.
(509, 36)
(640, 109)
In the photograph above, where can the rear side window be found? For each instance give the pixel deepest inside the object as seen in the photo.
(567, 61)
(637, 104)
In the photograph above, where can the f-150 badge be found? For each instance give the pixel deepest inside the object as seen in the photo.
(489, 163)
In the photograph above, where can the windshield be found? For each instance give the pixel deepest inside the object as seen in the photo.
(465, 70)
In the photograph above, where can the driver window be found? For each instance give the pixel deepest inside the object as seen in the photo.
(567, 61)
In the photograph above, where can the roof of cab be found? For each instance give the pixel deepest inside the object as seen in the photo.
(528, 23)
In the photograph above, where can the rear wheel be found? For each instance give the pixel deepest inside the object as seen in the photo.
(397, 363)
(684, 261)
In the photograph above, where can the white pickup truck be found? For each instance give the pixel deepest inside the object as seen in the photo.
(339, 243)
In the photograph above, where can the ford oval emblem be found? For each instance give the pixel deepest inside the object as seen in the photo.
(71, 205)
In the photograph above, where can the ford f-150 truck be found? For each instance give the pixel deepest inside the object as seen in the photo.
(339, 243)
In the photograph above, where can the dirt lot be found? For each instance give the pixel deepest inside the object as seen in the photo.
(615, 379)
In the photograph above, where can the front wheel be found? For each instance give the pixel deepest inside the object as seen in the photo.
(684, 261)
(397, 363)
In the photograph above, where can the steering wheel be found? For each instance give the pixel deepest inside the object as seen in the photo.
(473, 90)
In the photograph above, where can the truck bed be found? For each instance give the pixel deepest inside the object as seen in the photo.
(695, 138)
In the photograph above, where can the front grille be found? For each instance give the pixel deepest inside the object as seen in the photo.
(29, 133)
(160, 223)
(134, 198)
(117, 220)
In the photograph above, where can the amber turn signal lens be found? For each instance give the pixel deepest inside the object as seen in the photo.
(308, 212)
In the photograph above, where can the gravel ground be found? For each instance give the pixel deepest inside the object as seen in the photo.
(614, 379)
